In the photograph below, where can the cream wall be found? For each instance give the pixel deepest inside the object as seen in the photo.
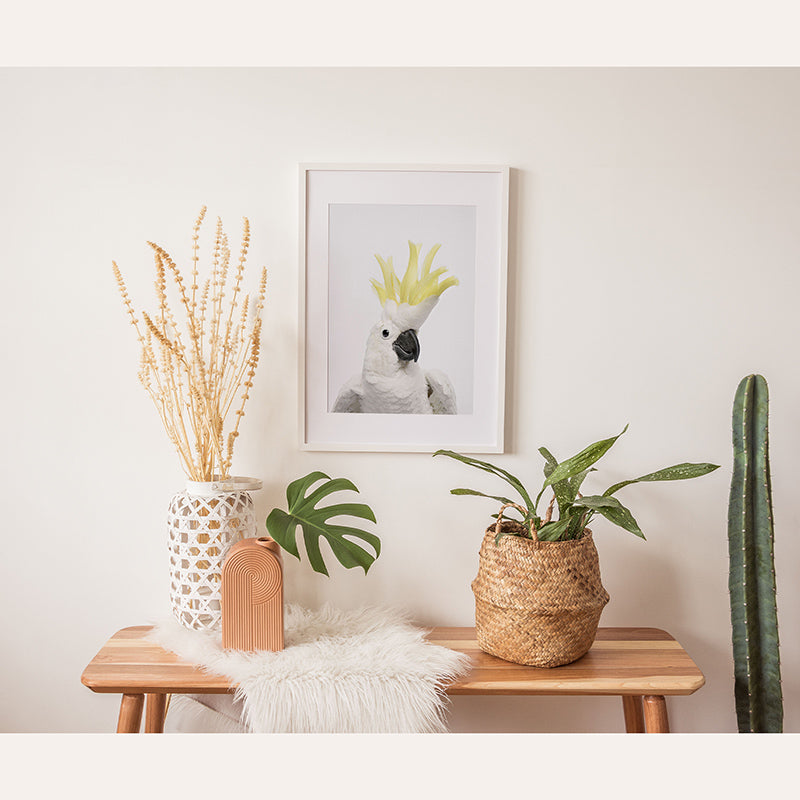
(654, 239)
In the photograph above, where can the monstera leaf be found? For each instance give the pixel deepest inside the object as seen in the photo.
(316, 525)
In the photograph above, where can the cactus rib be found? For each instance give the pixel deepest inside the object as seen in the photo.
(757, 682)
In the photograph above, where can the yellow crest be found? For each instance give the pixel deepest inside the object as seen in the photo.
(416, 285)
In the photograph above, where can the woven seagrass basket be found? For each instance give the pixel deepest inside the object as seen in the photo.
(537, 603)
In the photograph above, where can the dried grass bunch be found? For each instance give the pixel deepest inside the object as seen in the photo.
(197, 375)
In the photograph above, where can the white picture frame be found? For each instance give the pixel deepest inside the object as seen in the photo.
(351, 213)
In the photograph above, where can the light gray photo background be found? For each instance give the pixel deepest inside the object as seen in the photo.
(447, 338)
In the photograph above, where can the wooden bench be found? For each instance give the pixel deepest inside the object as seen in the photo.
(640, 665)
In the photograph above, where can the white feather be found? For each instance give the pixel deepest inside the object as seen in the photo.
(441, 395)
(348, 401)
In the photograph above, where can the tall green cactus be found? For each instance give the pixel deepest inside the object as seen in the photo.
(754, 616)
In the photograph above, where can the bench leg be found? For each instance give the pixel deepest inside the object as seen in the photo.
(130, 713)
(655, 714)
(634, 718)
(154, 717)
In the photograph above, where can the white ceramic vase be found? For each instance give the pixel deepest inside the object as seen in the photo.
(203, 522)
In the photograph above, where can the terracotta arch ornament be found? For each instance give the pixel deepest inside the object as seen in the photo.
(252, 596)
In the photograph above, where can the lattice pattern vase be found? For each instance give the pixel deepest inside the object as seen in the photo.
(203, 522)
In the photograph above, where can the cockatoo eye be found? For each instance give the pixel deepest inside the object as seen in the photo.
(385, 333)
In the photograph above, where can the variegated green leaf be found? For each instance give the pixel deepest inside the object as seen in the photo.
(553, 531)
(583, 460)
(561, 489)
(474, 493)
(515, 482)
(680, 472)
(612, 510)
(576, 481)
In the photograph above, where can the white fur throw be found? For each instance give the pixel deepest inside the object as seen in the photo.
(364, 671)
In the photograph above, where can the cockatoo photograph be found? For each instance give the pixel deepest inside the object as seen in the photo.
(393, 379)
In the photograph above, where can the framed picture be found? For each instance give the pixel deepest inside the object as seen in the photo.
(403, 307)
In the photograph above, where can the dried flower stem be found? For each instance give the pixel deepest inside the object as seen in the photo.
(195, 385)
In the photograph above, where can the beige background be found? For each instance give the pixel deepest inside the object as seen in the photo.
(653, 253)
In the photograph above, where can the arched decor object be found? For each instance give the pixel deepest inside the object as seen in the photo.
(252, 596)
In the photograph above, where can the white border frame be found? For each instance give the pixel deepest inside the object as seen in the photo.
(468, 433)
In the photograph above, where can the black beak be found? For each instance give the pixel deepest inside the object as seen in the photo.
(406, 345)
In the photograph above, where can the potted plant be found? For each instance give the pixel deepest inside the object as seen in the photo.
(538, 593)
(200, 347)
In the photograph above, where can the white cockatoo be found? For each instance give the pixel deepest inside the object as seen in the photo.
(391, 381)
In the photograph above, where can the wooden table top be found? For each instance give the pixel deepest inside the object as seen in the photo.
(622, 661)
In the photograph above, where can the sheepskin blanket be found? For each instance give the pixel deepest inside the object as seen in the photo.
(363, 671)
